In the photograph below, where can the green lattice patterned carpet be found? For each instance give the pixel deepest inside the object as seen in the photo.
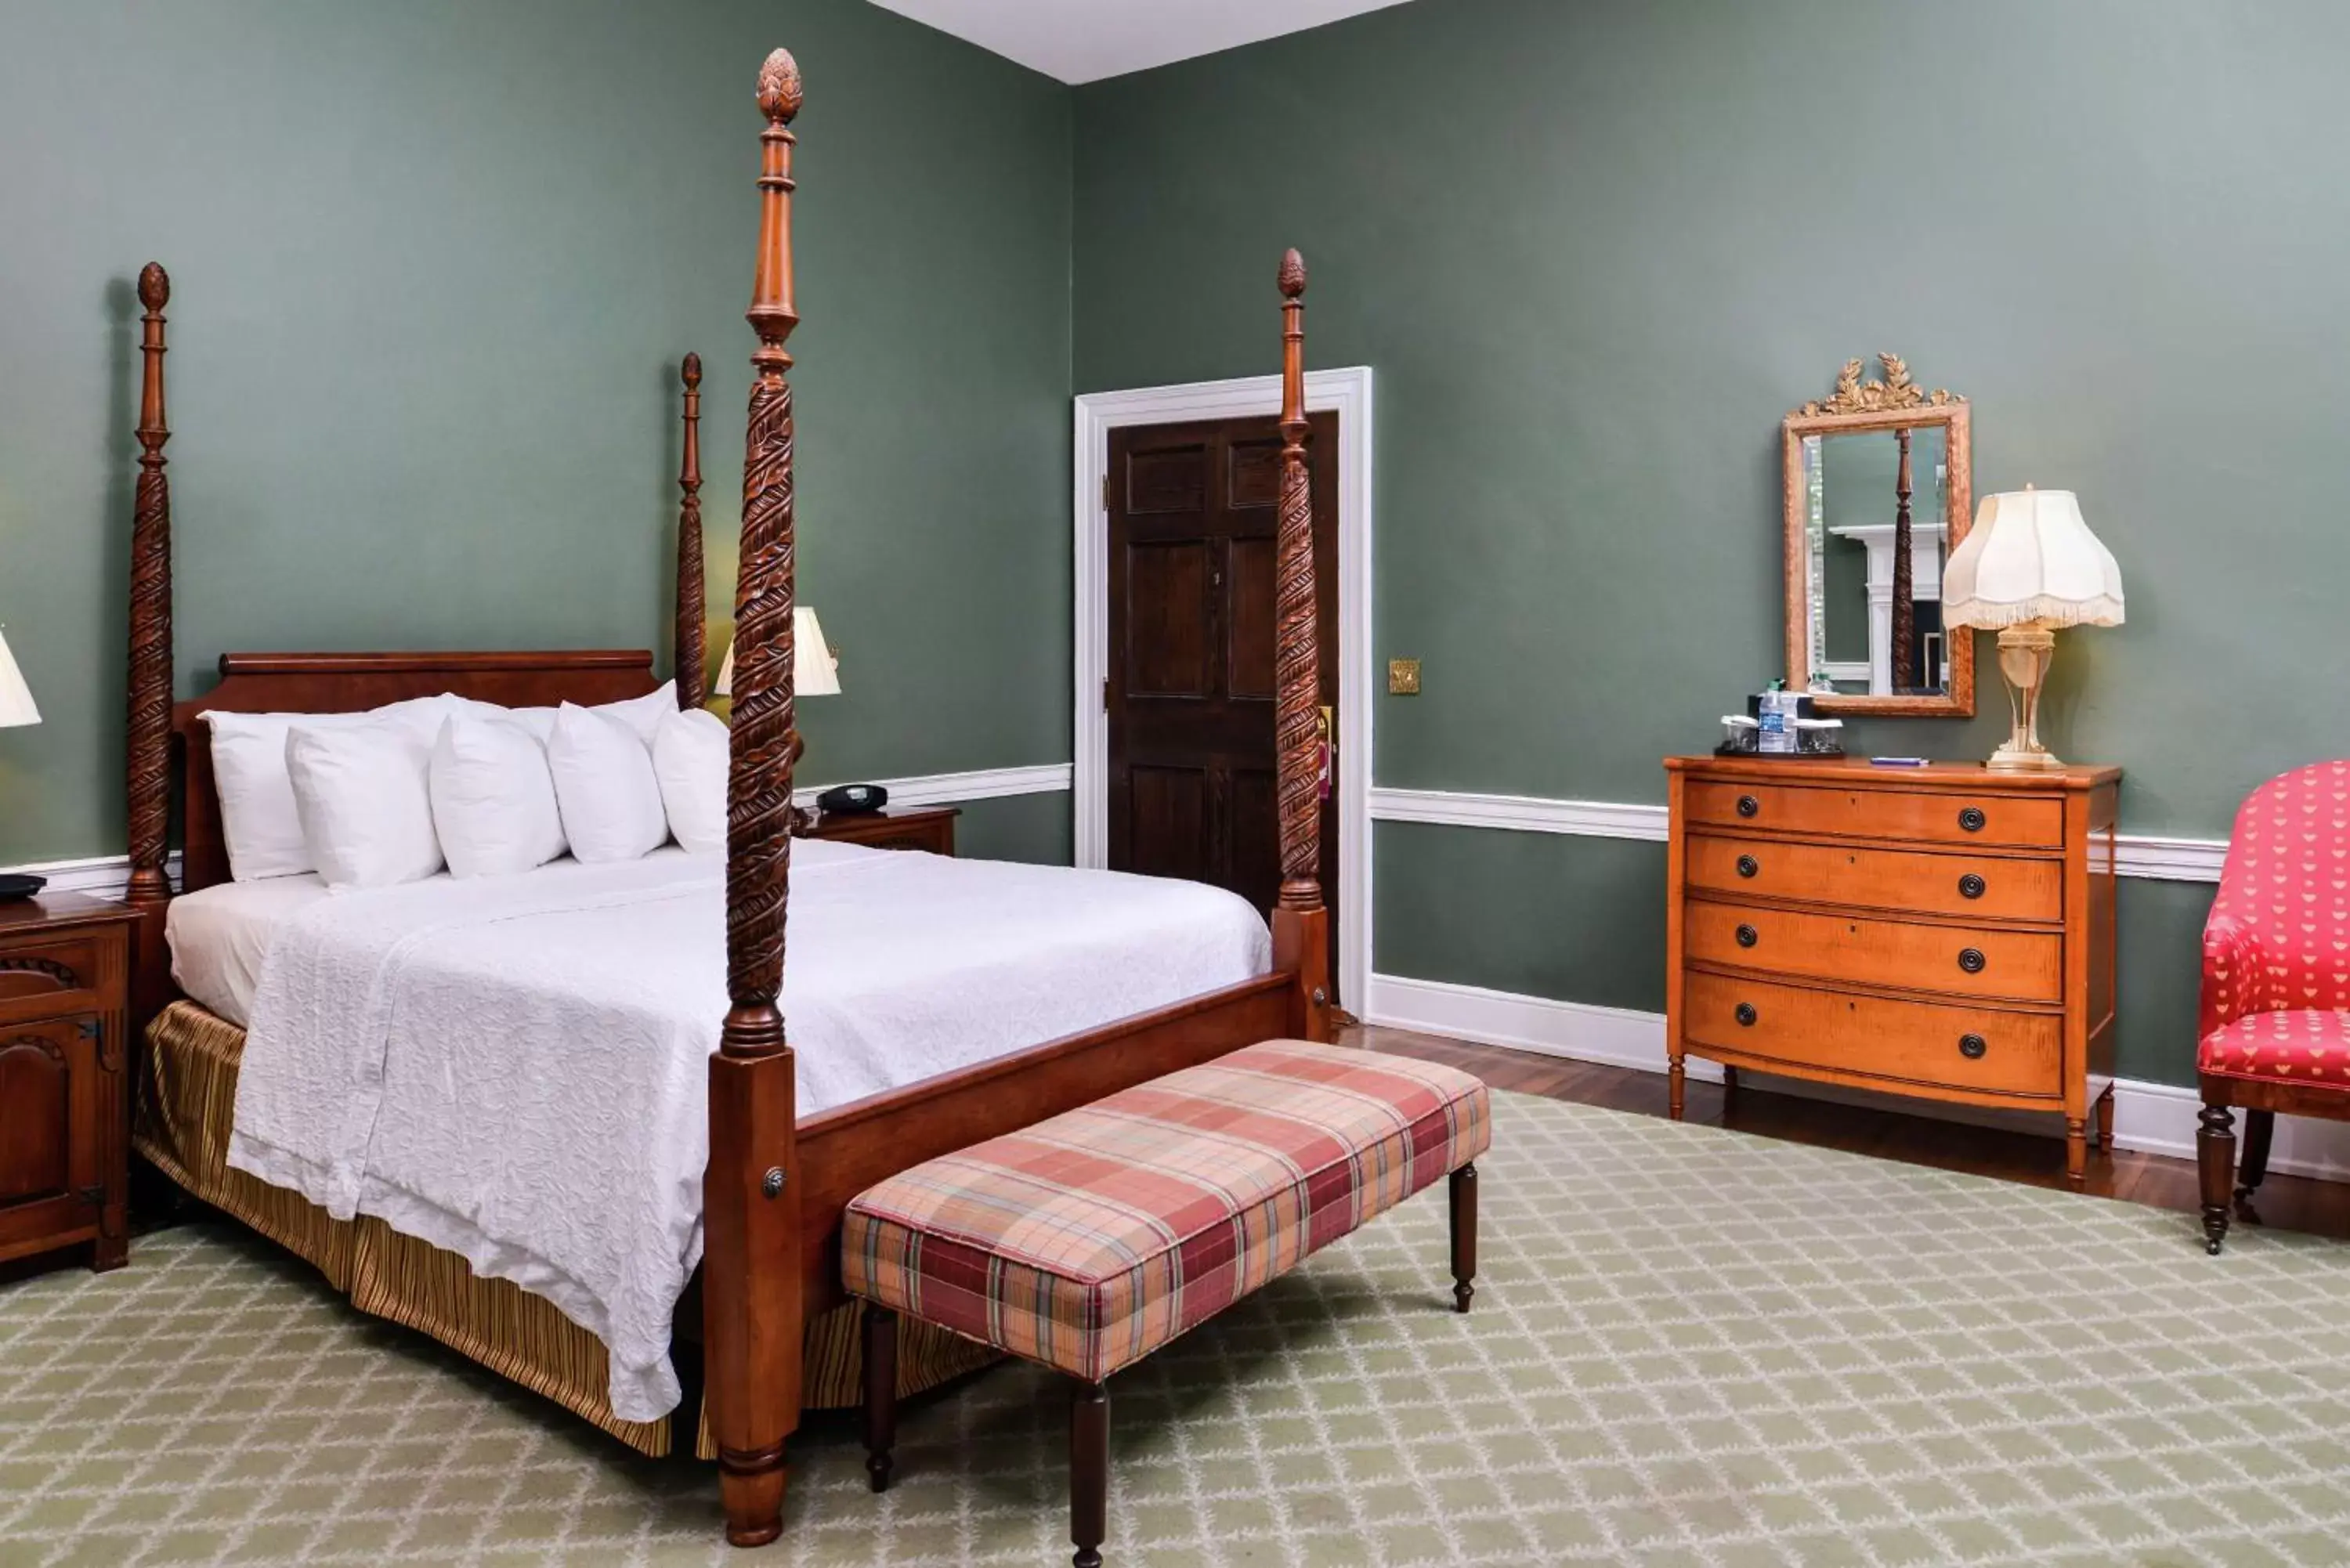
(1691, 1346)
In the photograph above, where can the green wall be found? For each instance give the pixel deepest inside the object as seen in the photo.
(1596, 250)
(433, 266)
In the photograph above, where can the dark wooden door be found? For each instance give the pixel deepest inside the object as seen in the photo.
(1190, 695)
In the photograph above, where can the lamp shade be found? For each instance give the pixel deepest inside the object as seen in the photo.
(815, 672)
(2031, 560)
(17, 705)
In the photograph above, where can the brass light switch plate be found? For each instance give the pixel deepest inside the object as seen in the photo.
(1403, 677)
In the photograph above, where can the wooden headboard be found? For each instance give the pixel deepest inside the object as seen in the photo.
(169, 757)
(354, 683)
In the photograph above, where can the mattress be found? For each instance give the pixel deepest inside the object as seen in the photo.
(513, 1069)
(219, 936)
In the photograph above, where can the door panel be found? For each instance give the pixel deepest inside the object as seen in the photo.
(1192, 548)
(1169, 619)
(1170, 823)
(1248, 649)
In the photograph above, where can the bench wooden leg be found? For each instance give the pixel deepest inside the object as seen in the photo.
(1464, 1236)
(1088, 1472)
(881, 1393)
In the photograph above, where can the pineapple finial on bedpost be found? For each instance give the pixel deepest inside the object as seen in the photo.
(691, 594)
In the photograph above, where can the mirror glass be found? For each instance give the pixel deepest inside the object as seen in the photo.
(1864, 491)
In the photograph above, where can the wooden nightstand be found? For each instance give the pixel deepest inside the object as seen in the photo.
(64, 1060)
(929, 827)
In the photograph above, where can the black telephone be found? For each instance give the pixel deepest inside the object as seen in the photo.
(852, 800)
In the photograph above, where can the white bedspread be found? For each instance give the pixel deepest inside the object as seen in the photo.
(516, 1068)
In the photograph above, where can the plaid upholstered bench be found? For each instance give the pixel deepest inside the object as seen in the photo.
(1090, 1240)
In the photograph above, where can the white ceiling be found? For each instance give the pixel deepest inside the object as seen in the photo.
(1085, 40)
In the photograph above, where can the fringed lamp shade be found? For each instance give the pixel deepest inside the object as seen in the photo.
(814, 672)
(17, 705)
(2031, 560)
(2030, 566)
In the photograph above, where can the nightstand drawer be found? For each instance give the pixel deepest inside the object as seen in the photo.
(42, 980)
(1981, 1050)
(1981, 886)
(1939, 817)
(929, 828)
(1960, 960)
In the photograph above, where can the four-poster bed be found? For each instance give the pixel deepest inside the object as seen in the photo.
(776, 1180)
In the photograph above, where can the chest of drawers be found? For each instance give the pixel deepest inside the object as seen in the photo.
(1944, 931)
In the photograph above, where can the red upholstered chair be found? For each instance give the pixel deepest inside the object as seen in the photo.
(2275, 1027)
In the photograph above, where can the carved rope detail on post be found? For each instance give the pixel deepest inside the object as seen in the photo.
(150, 734)
(1297, 652)
(692, 593)
(759, 799)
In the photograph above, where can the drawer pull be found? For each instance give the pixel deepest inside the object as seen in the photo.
(1746, 1014)
(1970, 959)
(1972, 819)
(1749, 807)
(1973, 1047)
(1748, 936)
(1970, 886)
(1747, 865)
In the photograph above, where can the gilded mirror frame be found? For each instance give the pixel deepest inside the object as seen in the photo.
(1857, 405)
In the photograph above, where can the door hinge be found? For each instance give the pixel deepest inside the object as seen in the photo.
(1104, 694)
(1105, 493)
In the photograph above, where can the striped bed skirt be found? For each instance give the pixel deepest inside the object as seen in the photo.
(186, 1100)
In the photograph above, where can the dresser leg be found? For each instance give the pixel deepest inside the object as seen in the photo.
(1728, 1085)
(2076, 1149)
(2106, 1122)
(1675, 1077)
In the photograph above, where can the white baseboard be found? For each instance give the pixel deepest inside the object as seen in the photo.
(2152, 1118)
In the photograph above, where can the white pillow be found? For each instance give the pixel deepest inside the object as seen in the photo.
(493, 798)
(604, 785)
(365, 805)
(690, 754)
(642, 714)
(260, 824)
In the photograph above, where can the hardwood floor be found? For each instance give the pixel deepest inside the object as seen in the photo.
(2289, 1202)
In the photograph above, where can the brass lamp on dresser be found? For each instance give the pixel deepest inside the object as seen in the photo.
(1943, 931)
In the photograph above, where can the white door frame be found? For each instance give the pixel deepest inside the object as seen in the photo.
(1347, 393)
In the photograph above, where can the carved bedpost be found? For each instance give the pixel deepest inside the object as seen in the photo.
(691, 605)
(149, 752)
(1300, 925)
(751, 1279)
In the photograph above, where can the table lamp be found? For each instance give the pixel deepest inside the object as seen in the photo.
(16, 707)
(815, 668)
(2029, 565)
